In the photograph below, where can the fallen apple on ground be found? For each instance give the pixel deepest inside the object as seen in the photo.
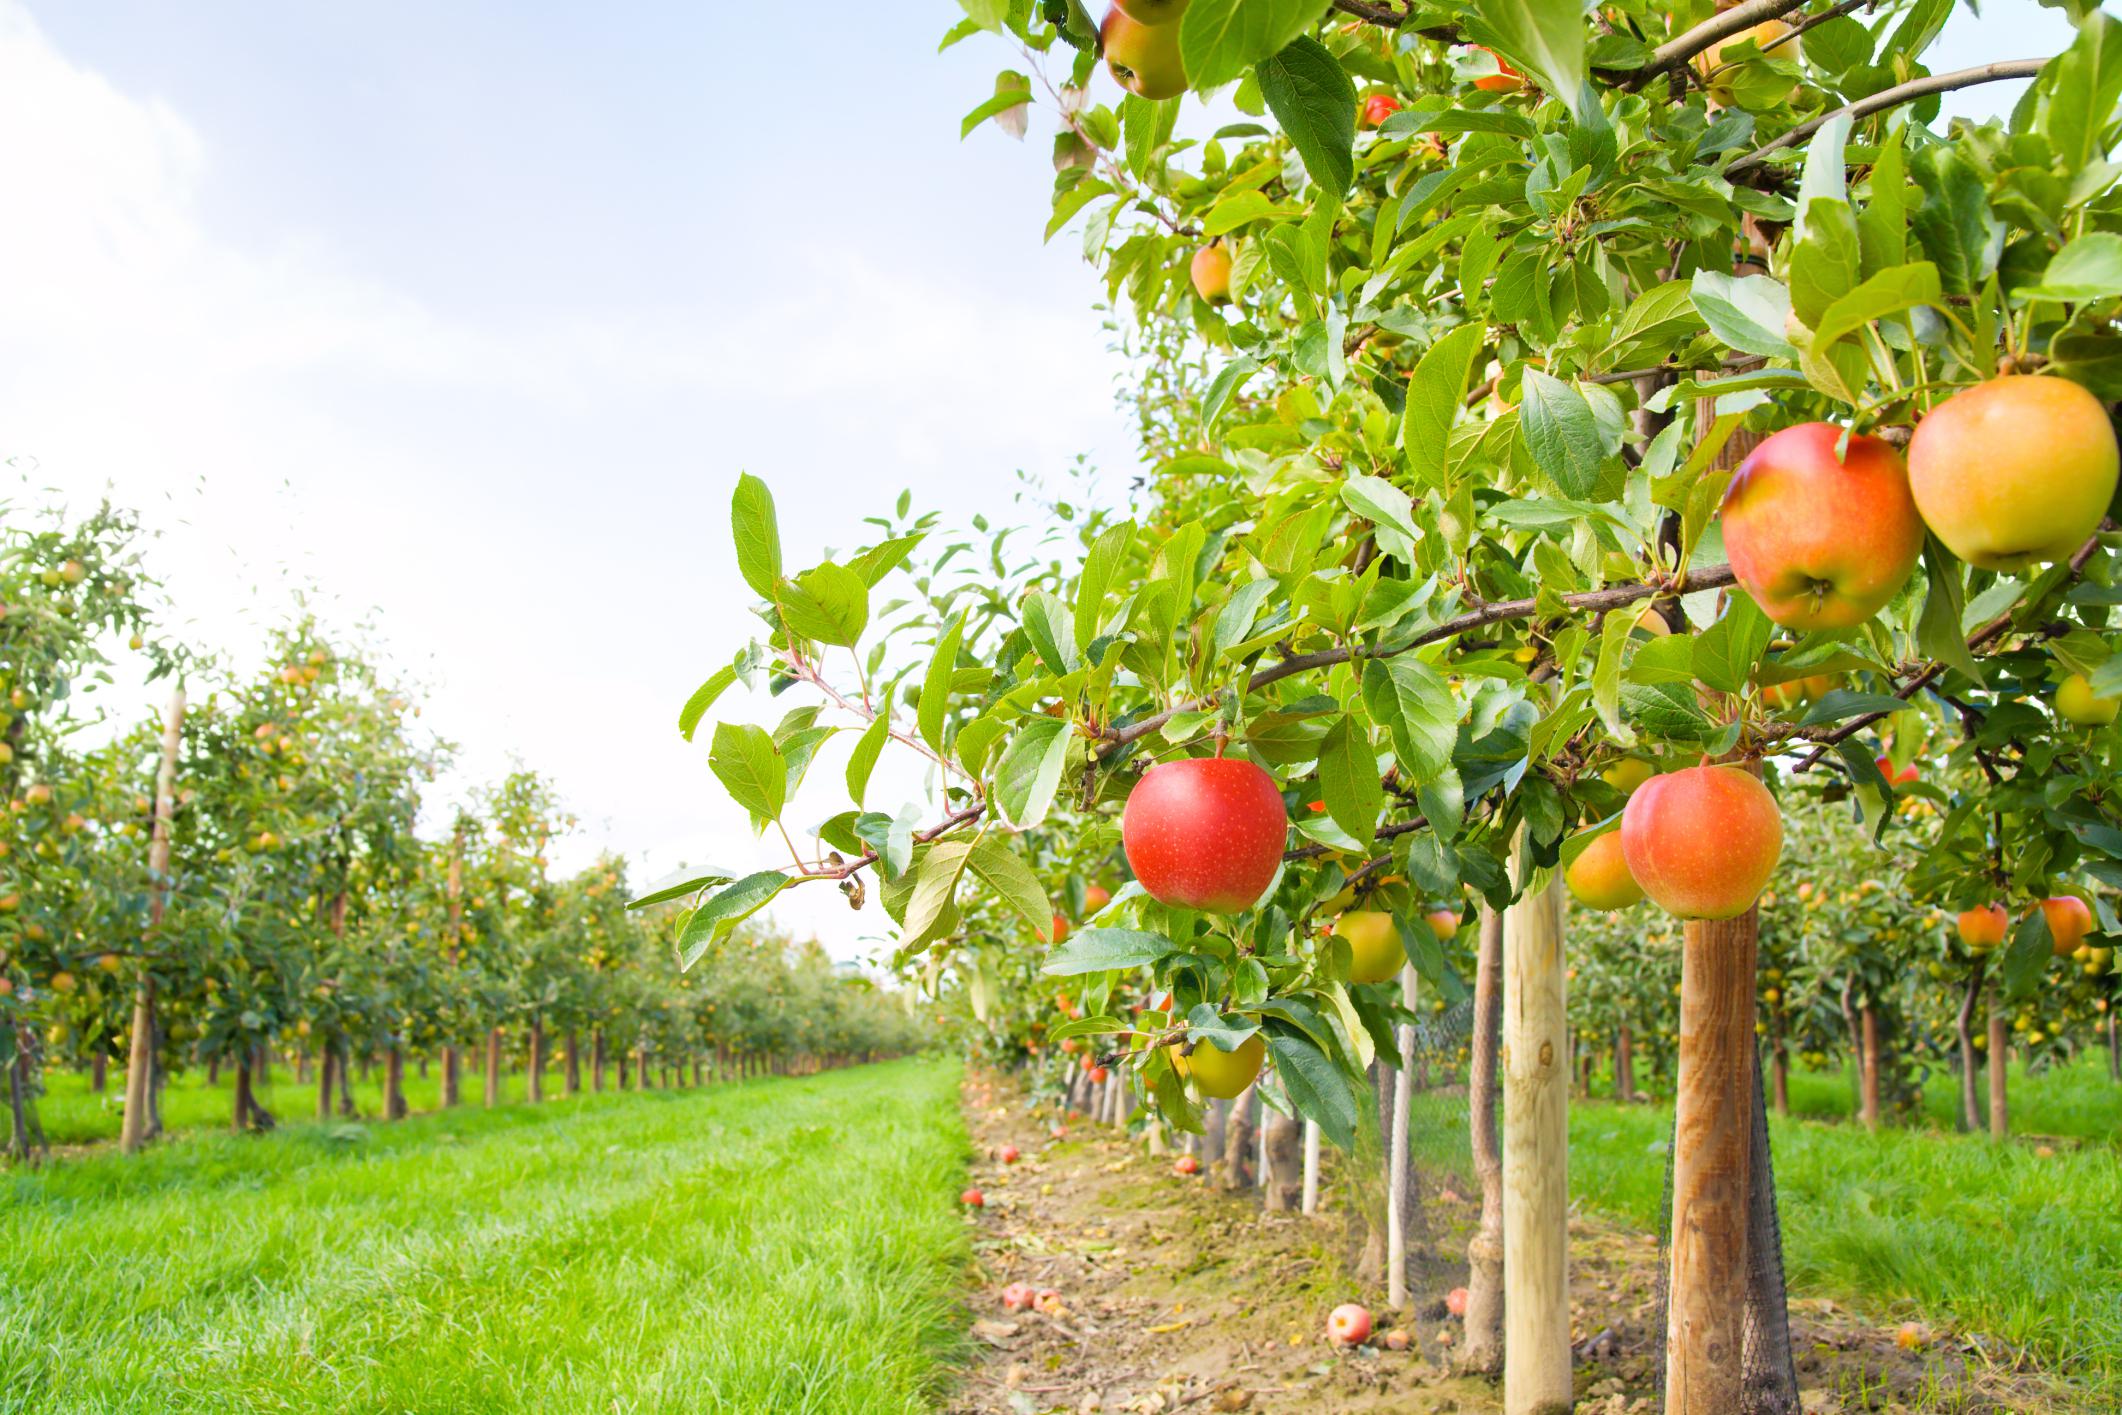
(973, 1199)
(1348, 1325)
(1456, 1300)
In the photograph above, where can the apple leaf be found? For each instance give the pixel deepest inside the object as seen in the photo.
(1220, 39)
(758, 535)
(1030, 770)
(828, 605)
(1434, 397)
(1205, 1026)
(1561, 433)
(1415, 703)
(1748, 312)
(677, 891)
(1100, 566)
(702, 699)
(713, 920)
(863, 760)
(753, 771)
(1005, 872)
(936, 685)
(932, 911)
(1313, 99)
(1314, 1085)
(2027, 956)
(1105, 950)
(1425, 954)
(1348, 778)
(1726, 652)
(1938, 630)
(1546, 38)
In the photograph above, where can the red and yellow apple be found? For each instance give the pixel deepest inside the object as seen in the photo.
(1983, 928)
(1376, 109)
(1505, 80)
(1186, 1166)
(2014, 472)
(1444, 923)
(1796, 692)
(1096, 897)
(1821, 543)
(1211, 275)
(1720, 76)
(1348, 1325)
(1703, 842)
(1205, 833)
(1142, 58)
(973, 1199)
(1599, 876)
(2069, 921)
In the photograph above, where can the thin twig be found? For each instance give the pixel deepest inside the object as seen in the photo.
(1893, 97)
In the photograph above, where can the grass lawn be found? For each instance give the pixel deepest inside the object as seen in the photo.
(1998, 1239)
(784, 1245)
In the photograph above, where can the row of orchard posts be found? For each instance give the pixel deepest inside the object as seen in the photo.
(1518, 1311)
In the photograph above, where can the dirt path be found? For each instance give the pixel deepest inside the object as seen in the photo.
(1167, 1295)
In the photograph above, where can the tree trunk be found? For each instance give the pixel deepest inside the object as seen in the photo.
(262, 1068)
(1483, 1351)
(344, 1070)
(1779, 1076)
(493, 1067)
(1238, 1143)
(250, 1117)
(1868, 1103)
(324, 1081)
(26, 1132)
(1999, 1069)
(98, 1073)
(1970, 1064)
(2114, 1047)
(1536, 1348)
(537, 1060)
(394, 1107)
(571, 1066)
(625, 1066)
(596, 1060)
(1311, 1166)
(1285, 1164)
(1712, 1185)
(1625, 1064)
(452, 1078)
(641, 1068)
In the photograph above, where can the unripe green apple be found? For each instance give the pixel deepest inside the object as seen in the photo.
(1599, 876)
(2014, 472)
(2076, 703)
(1821, 543)
(1628, 774)
(1222, 1075)
(1374, 940)
(1143, 59)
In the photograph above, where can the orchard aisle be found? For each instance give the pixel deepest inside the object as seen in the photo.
(1158, 1293)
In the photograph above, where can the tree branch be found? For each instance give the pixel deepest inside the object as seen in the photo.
(1392, 19)
(1980, 639)
(1893, 97)
(1590, 602)
(1676, 52)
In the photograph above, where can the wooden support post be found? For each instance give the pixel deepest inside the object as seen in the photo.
(1483, 1351)
(1999, 1071)
(1536, 1345)
(1868, 1089)
(1712, 1168)
(140, 1061)
(1396, 1176)
(453, 889)
(1311, 1166)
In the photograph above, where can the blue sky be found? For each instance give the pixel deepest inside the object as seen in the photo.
(469, 315)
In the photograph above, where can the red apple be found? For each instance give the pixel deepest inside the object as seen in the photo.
(1396, 1340)
(1009, 1154)
(1376, 109)
(1444, 923)
(1902, 777)
(1019, 1296)
(1506, 80)
(1185, 1166)
(1059, 1132)
(1060, 928)
(1456, 1300)
(1098, 1075)
(1704, 841)
(1348, 1325)
(1599, 875)
(1984, 928)
(1096, 897)
(1205, 833)
(2069, 921)
(2014, 472)
(1821, 543)
(973, 1199)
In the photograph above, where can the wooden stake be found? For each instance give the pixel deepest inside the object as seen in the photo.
(1483, 1351)
(1311, 1166)
(1396, 1162)
(1536, 1346)
(1999, 1067)
(140, 1062)
(1712, 1168)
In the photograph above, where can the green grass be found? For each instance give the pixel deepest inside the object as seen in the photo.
(73, 1114)
(789, 1245)
(1906, 1223)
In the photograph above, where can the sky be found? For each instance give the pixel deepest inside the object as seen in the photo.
(463, 319)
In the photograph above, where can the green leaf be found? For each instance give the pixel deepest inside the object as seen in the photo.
(863, 760)
(2079, 89)
(1315, 1086)
(749, 766)
(1938, 633)
(1224, 386)
(1890, 292)
(1666, 710)
(1561, 433)
(891, 837)
(1955, 225)
(1726, 652)
(1844, 703)
(1234, 621)
(1425, 953)
(1008, 98)
(1545, 38)
(1050, 627)
(677, 891)
(1416, 705)
(1105, 950)
(1030, 770)
(931, 911)
(828, 605)
(1220, 39)
(713, 920)
(1376, 499)
(1099, 568)
(1748, 312)
(883, 558)
(2027, 957)
(1435, 395)
(1205, 1026)
(1314, 101)
(2089, 268)
(1237, 210)
(936, 684)
(1348, 778)
(758, 536)
(702, 699)
(1014, 883)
